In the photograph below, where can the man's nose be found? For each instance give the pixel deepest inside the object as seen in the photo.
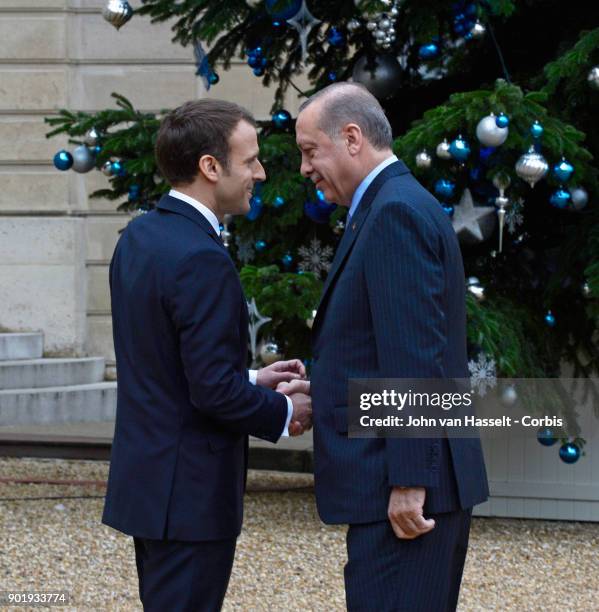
(260, 174)
(306, 168)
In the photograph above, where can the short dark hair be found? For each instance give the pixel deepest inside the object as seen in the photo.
(199, 127)
(344, 103)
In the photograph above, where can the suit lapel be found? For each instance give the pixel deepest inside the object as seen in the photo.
(175, 205)
(353, 229)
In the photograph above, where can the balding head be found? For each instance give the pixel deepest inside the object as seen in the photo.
(343, 103)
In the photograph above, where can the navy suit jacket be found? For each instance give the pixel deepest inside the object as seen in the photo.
(185, 404)
(393, 306)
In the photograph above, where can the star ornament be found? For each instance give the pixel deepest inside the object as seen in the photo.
(303, 21)
(473, 224)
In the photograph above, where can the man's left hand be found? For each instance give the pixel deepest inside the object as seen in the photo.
(405, 512)
(281, 371)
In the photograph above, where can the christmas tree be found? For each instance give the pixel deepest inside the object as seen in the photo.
(492, 106)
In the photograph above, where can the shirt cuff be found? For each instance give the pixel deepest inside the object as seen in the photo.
(253, 376)
(285, 433)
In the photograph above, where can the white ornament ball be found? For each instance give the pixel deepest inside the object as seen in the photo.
(443, 150)
(475, 288)
(593, 78)
(580, 197)
(423, 160)
(478, 30)
(91, 137)
(83, 159)
(509, 396)
(489, 134)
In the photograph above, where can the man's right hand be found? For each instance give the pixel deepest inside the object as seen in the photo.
(298, 392)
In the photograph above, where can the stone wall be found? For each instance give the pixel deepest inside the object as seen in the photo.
(55, 242)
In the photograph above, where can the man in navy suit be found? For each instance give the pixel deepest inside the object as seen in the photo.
(186, 404)
(393, 306)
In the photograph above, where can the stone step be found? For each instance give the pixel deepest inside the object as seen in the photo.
(95, 402)
(21, 346)
(36, 373)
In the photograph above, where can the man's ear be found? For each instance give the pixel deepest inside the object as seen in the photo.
(210, 168)
(353, 137)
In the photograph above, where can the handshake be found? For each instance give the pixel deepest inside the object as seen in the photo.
(289, 378)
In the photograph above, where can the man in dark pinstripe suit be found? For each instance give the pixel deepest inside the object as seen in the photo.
(393, 306)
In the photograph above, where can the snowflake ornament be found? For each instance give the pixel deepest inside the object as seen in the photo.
(483, 374)
(514, 217)
(316, 258)
(245, 249)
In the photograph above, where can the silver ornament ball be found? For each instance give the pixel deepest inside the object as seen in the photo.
(423, 160)
(593, 78)
(107, 168)
(443, 150)
(380, 75)
(532, 167)
(475, 288)
(489, 134)
(117, 12)
(353, 25)
(580, 197)
(371, 26)
(586, 290)
(478, 30)
(270, 352)
(509, 395)
(83, 159)
(91, 137)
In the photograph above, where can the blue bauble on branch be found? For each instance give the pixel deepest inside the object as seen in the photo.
(278, 201)
(260, 245)
(560, 198)
(134, 192)
(550, 319)
(445, 189)
(213, 78)
(569, 452)
(256, 206)
(287, 260)
(63, 160)
(281, 119)
(428, 51)
(336, 37)
(546, 436)
(459, 149)
(563, 170)
(449, 210)
(283, 9)
(536, 129)
(502, 120)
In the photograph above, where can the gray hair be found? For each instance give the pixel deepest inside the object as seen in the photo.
(352, 103)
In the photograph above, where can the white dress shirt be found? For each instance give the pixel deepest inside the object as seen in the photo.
(213, 220)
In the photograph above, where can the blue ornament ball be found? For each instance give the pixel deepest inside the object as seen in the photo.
(569, 452)
(459, 149)
(213, 78)
(254, 61)
(278, 201)
(485, 153)
(502, 120)
(63, 160)
(256, 205)
(258, 71)
(428, 51)
(550, 319)
(319, 211)
(281, 119)
(134, 192)
(260, 245)
(563, 170)
(320, 196)
(336, 37)
(283, 9)
(278, 26)
(117, 168)
(332, 76)
(97, 149)
(449, 210)
(445, 188)
(536, 129)
(546, 436)
(560, 198)
(287, 260)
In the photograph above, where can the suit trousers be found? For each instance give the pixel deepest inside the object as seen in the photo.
(386, 574)
(183, 576)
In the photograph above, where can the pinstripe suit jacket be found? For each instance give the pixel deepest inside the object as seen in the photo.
(393, 306)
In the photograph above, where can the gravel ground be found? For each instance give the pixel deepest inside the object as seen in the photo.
(286, 558)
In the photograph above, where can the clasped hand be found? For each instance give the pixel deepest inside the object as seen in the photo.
(289, 378)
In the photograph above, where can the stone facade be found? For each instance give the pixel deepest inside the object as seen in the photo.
(56, 242)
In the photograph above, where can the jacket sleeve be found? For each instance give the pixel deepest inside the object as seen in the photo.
(405, 280)
(205, 303)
